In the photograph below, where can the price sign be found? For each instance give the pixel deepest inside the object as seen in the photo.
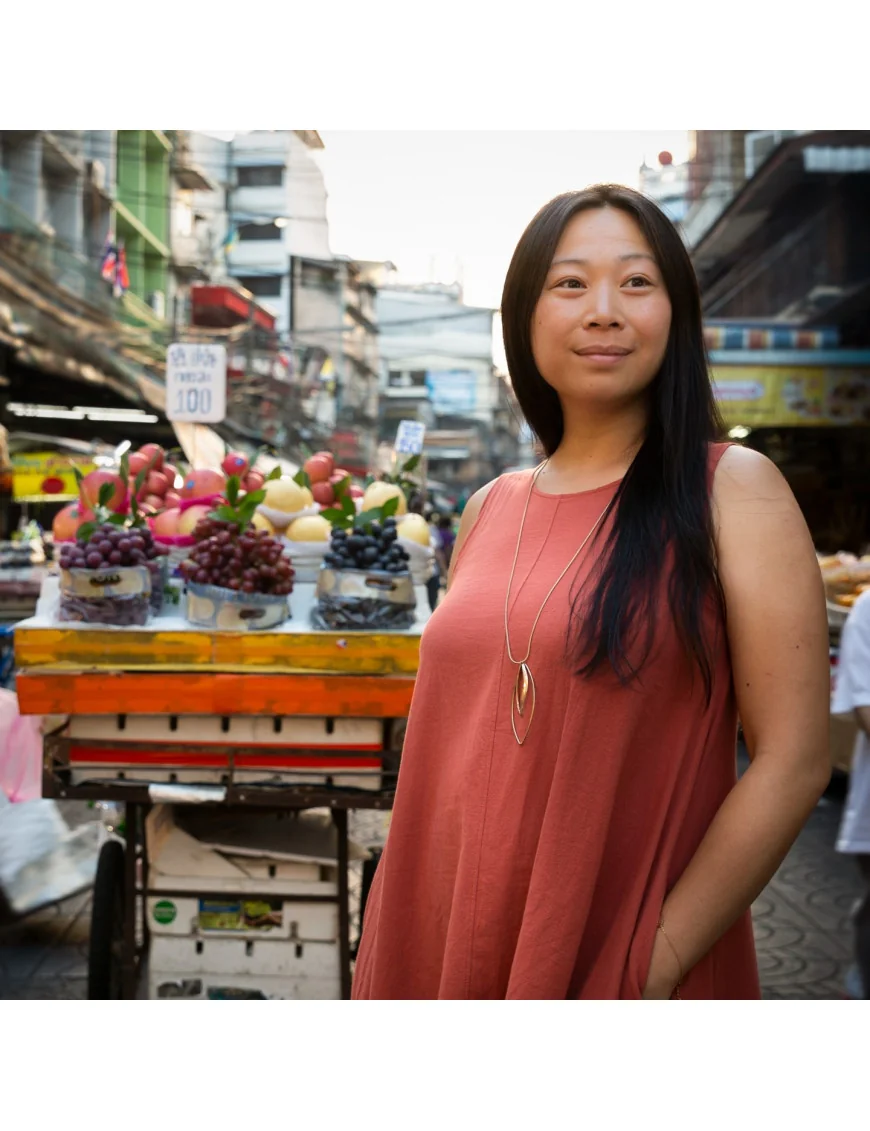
(409, 438)
(196, 383)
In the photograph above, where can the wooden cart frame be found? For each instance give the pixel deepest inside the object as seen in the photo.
(68, 672)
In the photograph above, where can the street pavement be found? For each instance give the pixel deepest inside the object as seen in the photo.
(802, 925)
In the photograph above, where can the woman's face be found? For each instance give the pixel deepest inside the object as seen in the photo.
(600, 329)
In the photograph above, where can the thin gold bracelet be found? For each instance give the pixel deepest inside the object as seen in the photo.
(676, 993)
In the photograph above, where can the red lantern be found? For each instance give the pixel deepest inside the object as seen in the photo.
(665, 158)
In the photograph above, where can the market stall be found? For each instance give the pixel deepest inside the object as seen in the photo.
(238, 698)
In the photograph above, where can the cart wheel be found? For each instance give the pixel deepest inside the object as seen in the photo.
(107, 924)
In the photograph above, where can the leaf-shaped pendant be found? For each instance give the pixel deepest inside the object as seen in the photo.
(524, 696)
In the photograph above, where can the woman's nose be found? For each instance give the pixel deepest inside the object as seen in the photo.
(603, 309)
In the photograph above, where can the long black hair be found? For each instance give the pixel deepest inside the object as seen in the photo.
(662, 506)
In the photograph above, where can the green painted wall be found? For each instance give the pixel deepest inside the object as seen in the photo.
(143, 189)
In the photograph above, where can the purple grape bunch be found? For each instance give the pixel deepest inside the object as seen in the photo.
(110, 546)
(242, 559)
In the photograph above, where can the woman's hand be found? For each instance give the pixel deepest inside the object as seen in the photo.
(664, 973)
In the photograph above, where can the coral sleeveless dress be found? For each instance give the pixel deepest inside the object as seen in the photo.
(539, 871)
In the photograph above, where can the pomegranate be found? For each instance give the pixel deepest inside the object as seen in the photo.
(89, 491)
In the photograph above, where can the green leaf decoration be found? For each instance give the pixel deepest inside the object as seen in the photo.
(301, 477)
(412, 463)
(125, 466)
(348, 506)
(117, 519)
(233, 485)
(140, 478)
(334, 516)
(77, 472)
(106, 492)
(86, 530)
(342, 487)
(364, 521)
(390, 507)
(275, 473)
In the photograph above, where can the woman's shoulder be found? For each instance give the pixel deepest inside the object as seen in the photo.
(741, 472)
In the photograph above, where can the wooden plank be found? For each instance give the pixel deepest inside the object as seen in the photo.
(67, 649)
(194, 693)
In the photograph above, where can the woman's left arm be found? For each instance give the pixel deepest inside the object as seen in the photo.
(778, 637)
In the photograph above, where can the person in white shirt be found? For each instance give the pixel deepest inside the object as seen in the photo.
(852, 698)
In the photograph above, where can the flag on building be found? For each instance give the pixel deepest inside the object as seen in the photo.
(230, 240)
(122, 277)
(109, 262)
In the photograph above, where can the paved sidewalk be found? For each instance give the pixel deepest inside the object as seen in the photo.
(802, 923)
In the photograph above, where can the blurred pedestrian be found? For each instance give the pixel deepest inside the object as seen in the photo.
(568, 821)
(852, 698)
(440, 565)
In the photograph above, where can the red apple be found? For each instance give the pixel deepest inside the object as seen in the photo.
(155, 502)
(157, 483)
(68, 520)
(319, 468)
(171, 499)
(236, 463)
(200, 484)
(189, 518)
(137, 462)
(167, 522)
(89, 491)
(154, 454)
(356, 492)
(254, 481)
(172, 473)
(330, 459)
(323, 493)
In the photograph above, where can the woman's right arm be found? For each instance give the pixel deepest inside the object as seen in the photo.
(469, 517)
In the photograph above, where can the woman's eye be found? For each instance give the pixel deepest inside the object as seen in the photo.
(639, 281)
(572, 284)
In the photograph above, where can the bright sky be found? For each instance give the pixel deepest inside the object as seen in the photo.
(452, 205)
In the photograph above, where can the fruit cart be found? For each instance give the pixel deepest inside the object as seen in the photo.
(168, 714)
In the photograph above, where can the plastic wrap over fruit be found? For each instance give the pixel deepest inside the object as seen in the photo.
(114, 596)
(364, 600)
(211, 606)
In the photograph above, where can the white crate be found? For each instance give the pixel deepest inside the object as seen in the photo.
(290, 970)
(214, 987)
(195, 917)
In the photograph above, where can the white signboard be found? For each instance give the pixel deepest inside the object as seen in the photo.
(409, 438)
(196, 383)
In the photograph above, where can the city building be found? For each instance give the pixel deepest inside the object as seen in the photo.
(278, 211)
(668, 185)
(781, 246)
(437, 367)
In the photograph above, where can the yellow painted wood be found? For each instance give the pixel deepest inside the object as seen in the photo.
(69, 649)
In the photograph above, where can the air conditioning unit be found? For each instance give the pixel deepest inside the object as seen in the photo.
(97, 174)
(759, 144)
(157, 302)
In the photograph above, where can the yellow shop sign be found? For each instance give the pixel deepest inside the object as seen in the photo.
(41, 477)
(786, 396)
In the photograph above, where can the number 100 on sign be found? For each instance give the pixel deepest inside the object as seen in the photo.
(196, 383)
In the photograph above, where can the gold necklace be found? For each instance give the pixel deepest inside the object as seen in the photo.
(525, 683)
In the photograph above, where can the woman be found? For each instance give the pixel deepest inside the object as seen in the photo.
(568, 823)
